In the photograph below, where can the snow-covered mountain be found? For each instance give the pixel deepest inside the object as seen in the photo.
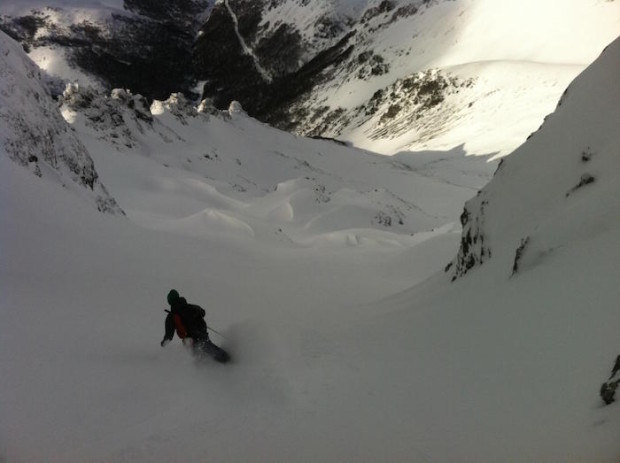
(141, 45)
(321, 268)
(402, 75)
(34, 134)
(387, 75)
(559, 188)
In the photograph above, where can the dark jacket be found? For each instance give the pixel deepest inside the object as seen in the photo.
(186, 319)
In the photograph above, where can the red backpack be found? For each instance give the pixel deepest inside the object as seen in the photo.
(178, 324)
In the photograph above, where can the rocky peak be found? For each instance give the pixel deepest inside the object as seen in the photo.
(146, 47)
(35, 135)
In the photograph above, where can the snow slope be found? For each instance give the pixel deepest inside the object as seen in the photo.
(279, 237)
(88, 381)
(572, 194)
(26, 6)
(346, 352)
(206, 170)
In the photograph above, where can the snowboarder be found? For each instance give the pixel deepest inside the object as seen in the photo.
(188, 322)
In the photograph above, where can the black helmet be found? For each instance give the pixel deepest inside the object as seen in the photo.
(173, 296)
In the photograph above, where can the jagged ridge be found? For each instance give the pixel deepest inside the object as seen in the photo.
(35, 135)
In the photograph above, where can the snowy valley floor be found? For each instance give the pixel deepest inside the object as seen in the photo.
(345, 350)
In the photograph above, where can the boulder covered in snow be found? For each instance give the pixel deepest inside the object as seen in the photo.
(176, 104)
(235, 108)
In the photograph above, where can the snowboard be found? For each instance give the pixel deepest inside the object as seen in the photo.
(204, 348)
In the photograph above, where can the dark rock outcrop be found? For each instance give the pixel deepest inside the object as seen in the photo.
(609, 387)
(34, 133)
(231, 74)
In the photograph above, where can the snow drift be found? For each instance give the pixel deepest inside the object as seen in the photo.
(207, 170)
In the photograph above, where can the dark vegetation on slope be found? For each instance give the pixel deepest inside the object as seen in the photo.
(159, 48)
(231, 74)
(148, 51)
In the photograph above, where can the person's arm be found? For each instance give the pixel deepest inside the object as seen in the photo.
(169, 329)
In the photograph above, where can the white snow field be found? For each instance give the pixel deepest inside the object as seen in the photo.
(350, 342)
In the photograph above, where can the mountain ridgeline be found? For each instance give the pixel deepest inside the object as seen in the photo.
(34, 134)
(155, 50)
(386, 75)
(145, 47)
(559, 188)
